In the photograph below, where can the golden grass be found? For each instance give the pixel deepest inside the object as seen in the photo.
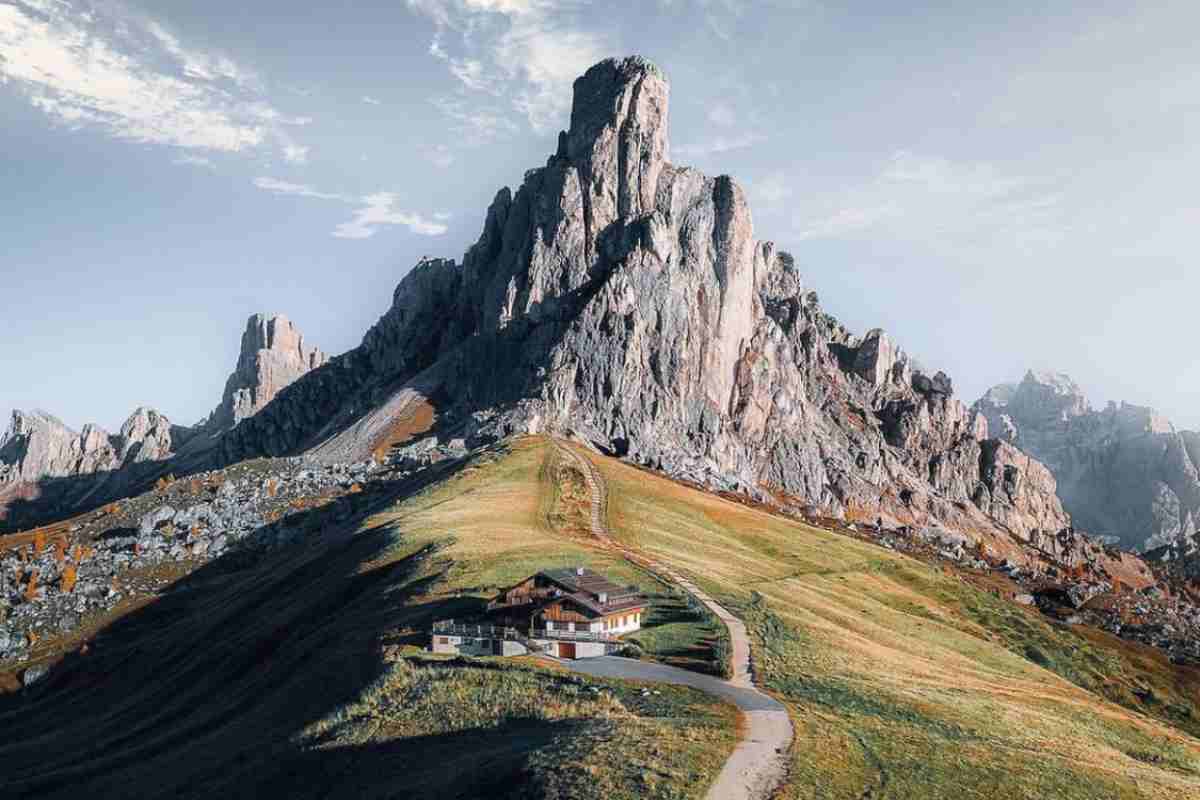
(904, 680)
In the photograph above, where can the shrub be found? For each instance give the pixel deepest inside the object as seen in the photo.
(69, 576)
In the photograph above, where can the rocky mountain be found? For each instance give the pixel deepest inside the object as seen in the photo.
(273, 355)
(622, 298)
(43, 459)
(1124, 472)
(38, 445)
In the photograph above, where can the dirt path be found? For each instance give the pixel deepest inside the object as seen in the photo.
(758, 764)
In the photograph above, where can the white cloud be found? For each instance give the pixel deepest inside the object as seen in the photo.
(373, 211)
(526, 51)
(296, 189)
(132, 78)
(380, 209)
(371, 101)
(295, 154)
(196, 64)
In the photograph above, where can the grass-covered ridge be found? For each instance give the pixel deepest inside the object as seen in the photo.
(903, 680)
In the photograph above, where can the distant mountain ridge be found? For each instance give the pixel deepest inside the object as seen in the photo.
(37, 447)
(1124, 472)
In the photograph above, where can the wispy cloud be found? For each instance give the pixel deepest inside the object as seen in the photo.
(440, 156)
(380, 209)
(772, 192)
(942, 201)
(721, 143)
(371, 101)
(296, 189)
(373, 211)
(525, 51)
(474, 125)
(97, 67)
(295, 154)
(187, 159)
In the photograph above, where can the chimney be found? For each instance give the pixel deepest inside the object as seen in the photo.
(579, 571)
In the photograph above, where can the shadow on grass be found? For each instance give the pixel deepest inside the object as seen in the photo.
(681, 635)
(201, 692)
(484, 763)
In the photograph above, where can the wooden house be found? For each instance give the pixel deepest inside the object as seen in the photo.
(570, 601)
(570, 613)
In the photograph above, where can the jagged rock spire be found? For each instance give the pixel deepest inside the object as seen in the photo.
(273, 355)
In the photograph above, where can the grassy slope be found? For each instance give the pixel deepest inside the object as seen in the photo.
(292, 676)
(269, 679)
(496, 522)
(904, 681)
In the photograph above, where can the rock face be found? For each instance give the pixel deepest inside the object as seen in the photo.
(38, 445)
(1123, 472)
(624, 299)
(273, 355)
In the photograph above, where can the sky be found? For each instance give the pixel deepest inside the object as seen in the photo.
(1000, 188)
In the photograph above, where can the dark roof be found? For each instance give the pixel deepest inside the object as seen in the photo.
(586, 588)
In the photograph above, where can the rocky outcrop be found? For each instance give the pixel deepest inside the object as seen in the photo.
(38, 445)
(273, 355)
(624, 299)
(1123, 472)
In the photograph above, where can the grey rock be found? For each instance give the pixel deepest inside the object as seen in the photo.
(34, 674)
(1123, 473)
(151, 521)
(624, 300)
(273, 355)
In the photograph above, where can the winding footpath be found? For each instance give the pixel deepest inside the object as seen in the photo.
(758, 764)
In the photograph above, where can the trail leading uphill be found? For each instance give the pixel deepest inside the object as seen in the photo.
(758, 765)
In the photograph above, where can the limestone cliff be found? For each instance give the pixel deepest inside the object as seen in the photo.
(622, 298)
(1123, 472)
(38, 445)
(273, 355)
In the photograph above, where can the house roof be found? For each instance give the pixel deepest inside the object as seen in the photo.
(595, 592)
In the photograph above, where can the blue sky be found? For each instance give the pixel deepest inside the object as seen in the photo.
(999, 188)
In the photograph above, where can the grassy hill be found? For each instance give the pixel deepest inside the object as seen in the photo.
(906, 681)
(299, 674)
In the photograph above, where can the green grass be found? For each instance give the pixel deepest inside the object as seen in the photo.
(567, 736)
(681, 632)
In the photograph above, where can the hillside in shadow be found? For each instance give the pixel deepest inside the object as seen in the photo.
(202, 692)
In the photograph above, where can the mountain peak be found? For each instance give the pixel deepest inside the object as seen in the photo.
(619, 126)
(273, 355)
